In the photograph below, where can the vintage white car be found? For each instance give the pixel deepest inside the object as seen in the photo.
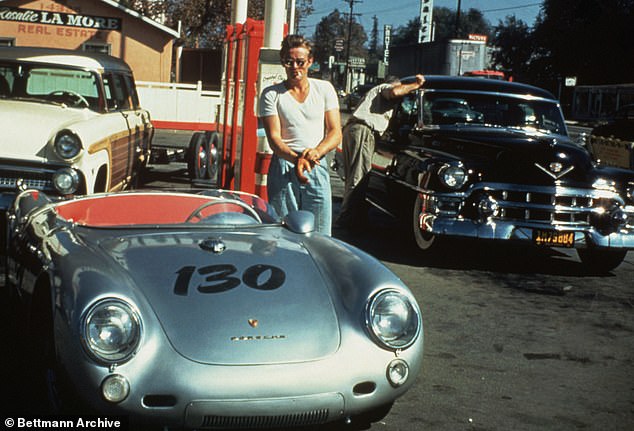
(71, 123)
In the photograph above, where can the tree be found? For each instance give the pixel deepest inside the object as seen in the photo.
(203, 22)
(406, 34)
(335, 26)
(513, 40)
(590, 39)
(373, 52)
(444, 26)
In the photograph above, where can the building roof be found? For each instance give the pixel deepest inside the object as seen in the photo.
(143, 18)
(135, 14)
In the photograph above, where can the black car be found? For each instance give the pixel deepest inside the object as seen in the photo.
(506, 172)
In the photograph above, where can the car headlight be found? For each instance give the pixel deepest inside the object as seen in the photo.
(111, 331)
(452, 176)
(66, 181)
(67, 145)
(393, 319)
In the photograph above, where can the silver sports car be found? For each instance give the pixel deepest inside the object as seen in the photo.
(203, 310)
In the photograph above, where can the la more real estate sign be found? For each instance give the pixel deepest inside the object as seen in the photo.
(33, 16)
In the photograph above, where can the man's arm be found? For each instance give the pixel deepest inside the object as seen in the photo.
(400, 90)
(273, 131)
(332, 137)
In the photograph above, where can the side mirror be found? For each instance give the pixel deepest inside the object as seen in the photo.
(300, 221)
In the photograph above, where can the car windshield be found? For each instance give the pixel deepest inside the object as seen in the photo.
(210, 208)
(442, 108)
(49, 83)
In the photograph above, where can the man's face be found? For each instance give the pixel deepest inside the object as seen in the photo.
(297, 63)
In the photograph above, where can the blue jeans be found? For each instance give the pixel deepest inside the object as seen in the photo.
(287, 194)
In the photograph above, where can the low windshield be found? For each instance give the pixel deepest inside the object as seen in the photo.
(442, 108)
(48, 83)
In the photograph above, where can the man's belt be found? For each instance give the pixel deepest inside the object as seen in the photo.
(355, 120)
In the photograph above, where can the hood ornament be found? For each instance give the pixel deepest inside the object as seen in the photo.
(253, 323)
(555, 169)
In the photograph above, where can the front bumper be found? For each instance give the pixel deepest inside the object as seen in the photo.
(170, 390)
(504, 230)
(16, 175)
(504, 212)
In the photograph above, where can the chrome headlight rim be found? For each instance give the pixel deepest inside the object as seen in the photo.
(453, 176)
(121, 352)
(406, 336)
(67, 145)
(66, 181)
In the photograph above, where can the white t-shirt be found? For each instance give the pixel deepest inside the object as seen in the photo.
(375, 109)
(302, 124)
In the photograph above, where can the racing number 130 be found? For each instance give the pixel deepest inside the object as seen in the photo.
(220, 278)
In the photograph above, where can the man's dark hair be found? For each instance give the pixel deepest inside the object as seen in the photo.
(295, 41)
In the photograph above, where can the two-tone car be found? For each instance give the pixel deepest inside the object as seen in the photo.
(205, 311)
(501, 168)
(71, 123)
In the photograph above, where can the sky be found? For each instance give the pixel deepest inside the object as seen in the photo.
(399, 12)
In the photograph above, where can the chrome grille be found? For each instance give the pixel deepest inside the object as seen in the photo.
(315, 417)
(30, 183)
(554, 205)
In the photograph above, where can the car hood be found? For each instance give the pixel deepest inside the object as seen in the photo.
(514, 155)
(28, 126)
(233, 298)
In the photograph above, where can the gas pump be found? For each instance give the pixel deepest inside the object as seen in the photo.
(249, 67)
(226, 123)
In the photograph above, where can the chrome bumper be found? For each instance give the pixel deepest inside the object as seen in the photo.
(503, 230)
(498, 211)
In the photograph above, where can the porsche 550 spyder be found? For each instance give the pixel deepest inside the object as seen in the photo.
(203, 310)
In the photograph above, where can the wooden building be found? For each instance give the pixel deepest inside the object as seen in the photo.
(91, 25)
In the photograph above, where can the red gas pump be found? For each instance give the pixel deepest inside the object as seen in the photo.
(238, 123)
(243, 137)
(225, 177)
(245, 156)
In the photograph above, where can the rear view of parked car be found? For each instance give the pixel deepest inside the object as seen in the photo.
(492, 160)
(71, 123)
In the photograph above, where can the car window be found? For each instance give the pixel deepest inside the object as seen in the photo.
(403, 119)
(131, 89)
(443, 108)
(62, 85)
(7, 80)
(72, 87)
(117, 95)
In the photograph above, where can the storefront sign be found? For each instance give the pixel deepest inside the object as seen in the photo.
(33, 16)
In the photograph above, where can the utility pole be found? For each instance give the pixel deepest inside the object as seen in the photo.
(350, 17)
(457, 20)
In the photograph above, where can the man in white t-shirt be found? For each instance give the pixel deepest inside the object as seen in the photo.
(302, 124)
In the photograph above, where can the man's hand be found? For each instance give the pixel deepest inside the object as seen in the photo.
(306, 162)
(302, 166)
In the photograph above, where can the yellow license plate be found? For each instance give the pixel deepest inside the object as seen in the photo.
(553, 238)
